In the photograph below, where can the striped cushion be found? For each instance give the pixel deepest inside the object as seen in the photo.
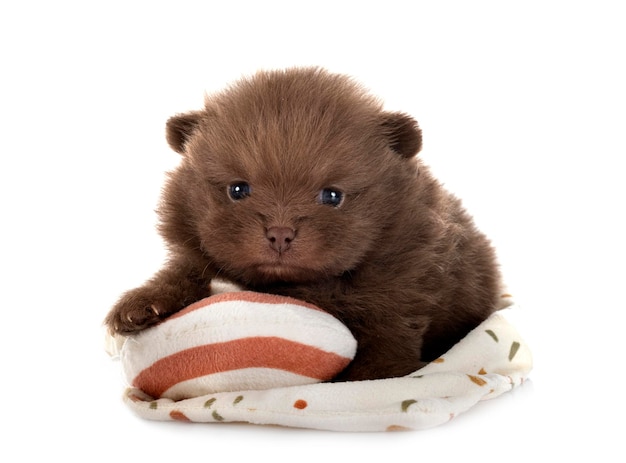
(237, 341)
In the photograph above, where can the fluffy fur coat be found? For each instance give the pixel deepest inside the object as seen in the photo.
(299, 183)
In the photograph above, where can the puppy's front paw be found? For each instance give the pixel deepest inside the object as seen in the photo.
(134, 312)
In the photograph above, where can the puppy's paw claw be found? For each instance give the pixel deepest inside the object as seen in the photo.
(132, 314)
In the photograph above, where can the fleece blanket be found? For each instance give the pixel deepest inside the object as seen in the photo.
(489, 361)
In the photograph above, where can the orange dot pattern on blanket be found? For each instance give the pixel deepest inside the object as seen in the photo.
(477, 380)
(252, 352)
(396, 428)
(300, 404)
(179, 416)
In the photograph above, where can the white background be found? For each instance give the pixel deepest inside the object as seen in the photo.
(523, 110)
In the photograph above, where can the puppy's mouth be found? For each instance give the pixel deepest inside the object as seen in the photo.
(281, 270)
(287, 267)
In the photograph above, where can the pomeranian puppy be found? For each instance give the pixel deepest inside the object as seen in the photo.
(299, 183)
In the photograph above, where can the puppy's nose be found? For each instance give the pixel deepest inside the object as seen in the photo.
(280, 238)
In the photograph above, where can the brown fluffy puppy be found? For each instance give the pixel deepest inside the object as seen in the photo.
(298, 183)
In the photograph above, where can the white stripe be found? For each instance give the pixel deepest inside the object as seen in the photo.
(236, 380)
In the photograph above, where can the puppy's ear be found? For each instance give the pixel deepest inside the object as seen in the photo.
(179, 129)
(403, 133)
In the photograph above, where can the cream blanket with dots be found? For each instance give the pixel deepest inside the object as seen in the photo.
(489, 361)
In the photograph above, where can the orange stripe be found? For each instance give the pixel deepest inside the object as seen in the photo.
(253, 352)
(245, 296)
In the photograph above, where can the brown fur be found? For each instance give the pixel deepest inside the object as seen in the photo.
(399, 261)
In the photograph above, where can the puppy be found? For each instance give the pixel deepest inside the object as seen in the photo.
(298, 183)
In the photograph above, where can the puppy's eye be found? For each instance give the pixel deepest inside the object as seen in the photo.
(239, 190)
(330, 197)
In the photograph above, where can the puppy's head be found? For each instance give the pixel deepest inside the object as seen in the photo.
(288, 176)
